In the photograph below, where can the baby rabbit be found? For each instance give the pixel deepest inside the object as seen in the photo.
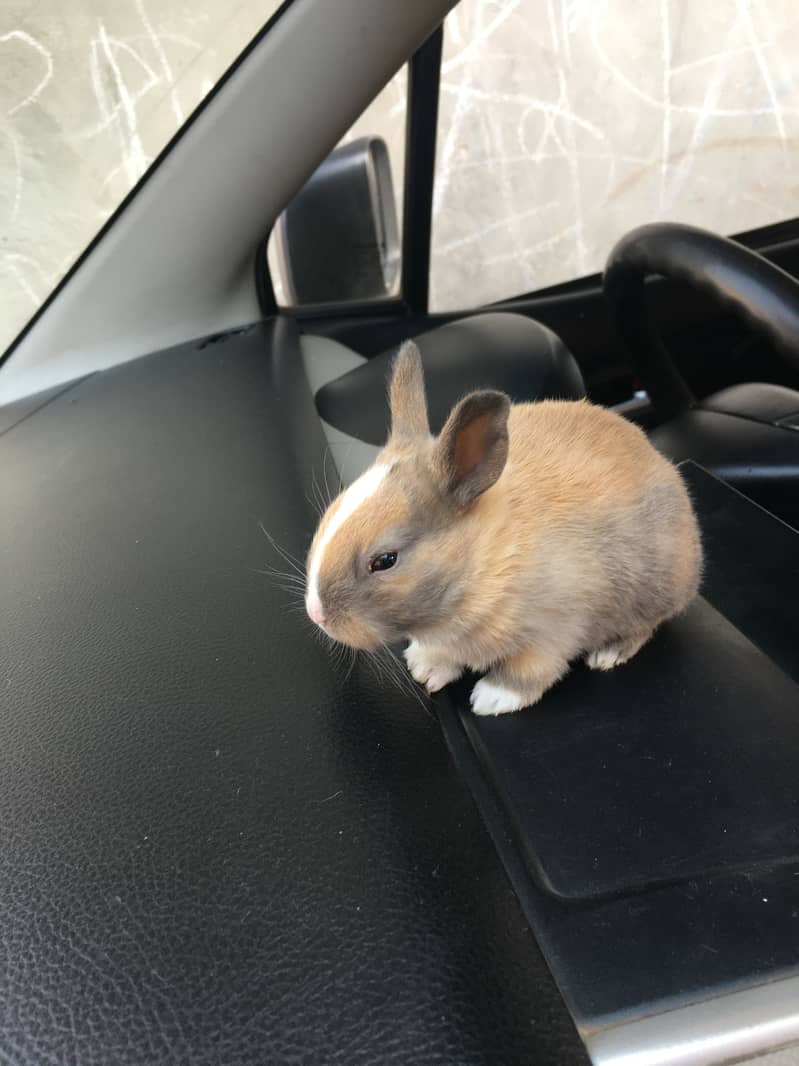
(517, 540)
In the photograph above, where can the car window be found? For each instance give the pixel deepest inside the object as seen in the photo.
(564, 124)
(90, 92)
(333, 265)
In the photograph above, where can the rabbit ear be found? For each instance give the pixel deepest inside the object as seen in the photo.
(472, 449)
(407, 397)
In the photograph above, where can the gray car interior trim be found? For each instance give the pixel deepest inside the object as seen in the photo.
(726, 1029)
(325, 360)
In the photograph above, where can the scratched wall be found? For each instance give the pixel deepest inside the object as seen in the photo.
(90, 91)
(563, 123)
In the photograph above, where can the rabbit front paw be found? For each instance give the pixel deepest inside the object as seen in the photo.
(429, 668)
(488, 698)
(519, 681)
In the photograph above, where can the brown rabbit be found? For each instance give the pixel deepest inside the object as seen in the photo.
(519, 539)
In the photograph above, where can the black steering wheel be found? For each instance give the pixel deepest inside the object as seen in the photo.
(765, 296)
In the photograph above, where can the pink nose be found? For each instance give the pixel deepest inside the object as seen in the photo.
(313, 605)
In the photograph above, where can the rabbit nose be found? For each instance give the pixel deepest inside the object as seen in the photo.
(313, 605)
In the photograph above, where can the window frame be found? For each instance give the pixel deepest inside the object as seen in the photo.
(421, 126)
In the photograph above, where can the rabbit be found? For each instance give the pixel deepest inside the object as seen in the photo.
(521, 538)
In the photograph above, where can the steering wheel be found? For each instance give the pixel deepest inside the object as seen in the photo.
(765, 296)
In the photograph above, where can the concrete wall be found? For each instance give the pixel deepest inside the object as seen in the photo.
(564, 123)
(90, 92)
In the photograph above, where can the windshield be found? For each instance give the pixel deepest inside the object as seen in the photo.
(90, 92)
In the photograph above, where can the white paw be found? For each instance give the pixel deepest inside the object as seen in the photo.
(442, 677)
(429, 670)
(605, 658)
(493, 699)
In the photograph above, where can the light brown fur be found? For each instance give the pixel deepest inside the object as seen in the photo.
(581, 546)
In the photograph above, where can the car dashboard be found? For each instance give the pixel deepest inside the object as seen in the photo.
(219, 839)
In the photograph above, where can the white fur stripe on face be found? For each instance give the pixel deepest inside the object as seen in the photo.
(358, 493)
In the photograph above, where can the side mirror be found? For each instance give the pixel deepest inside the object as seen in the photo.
(338, 239)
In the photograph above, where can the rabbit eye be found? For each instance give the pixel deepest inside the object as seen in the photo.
(383, 561)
